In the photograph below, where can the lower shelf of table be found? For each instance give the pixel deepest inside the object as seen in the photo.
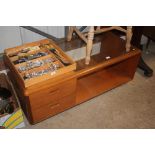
(105, 79)
(97, 83)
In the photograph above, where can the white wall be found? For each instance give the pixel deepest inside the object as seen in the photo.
(11, 36)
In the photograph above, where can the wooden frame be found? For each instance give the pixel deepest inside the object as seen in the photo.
(26, 83)
(88, 37)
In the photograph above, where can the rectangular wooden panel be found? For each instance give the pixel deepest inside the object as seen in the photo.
(52, 94)
(53, 109)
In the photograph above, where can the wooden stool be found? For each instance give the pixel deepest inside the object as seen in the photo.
(88, 37)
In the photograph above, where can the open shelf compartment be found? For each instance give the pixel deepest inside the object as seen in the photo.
(106, 77)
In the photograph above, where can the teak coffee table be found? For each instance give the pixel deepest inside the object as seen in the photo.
(50, 97)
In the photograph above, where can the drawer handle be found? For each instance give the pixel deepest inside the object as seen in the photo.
(53, 91)
(54, 106)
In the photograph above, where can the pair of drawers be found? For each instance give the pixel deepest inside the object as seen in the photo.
(53, 100)
(49, 110)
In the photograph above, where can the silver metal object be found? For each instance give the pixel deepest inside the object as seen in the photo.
(33, 64)
(53, 67)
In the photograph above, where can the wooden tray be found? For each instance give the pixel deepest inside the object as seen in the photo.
(13, 54)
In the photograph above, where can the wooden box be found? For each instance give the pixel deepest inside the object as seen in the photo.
(35, 62)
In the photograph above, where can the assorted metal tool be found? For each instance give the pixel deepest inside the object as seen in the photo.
(30, 66)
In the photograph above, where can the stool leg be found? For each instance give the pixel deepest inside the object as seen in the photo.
(70, 33)
(128, 38)
(89, 44)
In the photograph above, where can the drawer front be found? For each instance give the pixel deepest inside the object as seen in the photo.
(67, 87)
(52, 95)
(44, 97)
(52, 109)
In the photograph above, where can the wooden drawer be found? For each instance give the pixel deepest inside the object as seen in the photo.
(53, 108)
(52, 95)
